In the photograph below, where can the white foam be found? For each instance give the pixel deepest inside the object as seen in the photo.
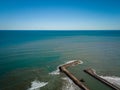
(113, 79)
(57, 72)
(69, 85)
(81, 62)
(36, 85)
(70, 61)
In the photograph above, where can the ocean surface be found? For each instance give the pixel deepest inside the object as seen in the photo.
(29, 60)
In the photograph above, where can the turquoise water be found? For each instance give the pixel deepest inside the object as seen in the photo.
(26, 56)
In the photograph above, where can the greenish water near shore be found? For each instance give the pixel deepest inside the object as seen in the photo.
(26, 56)
(90, 82)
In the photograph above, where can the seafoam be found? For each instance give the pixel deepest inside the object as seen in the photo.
(36, 85)
(69, 85)
(57, 72)
(113, 79)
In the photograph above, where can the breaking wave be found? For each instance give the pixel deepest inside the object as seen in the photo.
(69, 85)
(36, 85)
(113, 79)
(57, 72)
(81, 62)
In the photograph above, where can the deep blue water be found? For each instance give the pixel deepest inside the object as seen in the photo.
(11, 37)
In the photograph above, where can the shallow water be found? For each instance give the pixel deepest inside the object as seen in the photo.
(26, 56)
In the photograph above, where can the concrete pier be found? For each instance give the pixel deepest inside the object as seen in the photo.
(93, 74)
(71, 76)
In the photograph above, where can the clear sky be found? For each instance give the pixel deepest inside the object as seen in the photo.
(60, 14)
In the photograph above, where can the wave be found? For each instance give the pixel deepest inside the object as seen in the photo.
(57, 72)
(113, 79)
(81, 62)
(35, 85)
(69, 85)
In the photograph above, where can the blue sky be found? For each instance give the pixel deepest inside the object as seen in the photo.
(60, 14)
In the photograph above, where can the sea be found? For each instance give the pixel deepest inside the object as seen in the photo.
(29, 59)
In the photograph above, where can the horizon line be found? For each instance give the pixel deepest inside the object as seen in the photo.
(59, 30)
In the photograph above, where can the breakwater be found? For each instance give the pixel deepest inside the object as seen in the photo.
(71, 76)
(91, 72)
